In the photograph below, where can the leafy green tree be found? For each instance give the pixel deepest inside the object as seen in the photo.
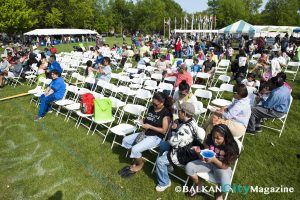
(281, 12)
(54, 18)
(15, 16)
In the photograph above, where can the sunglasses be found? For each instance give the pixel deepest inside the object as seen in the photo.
(155, 105)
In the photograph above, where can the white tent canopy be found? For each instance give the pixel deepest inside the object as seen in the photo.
(57, 31)
(240, 27)
(195, 31)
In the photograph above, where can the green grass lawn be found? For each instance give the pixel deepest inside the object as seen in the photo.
(51, 159)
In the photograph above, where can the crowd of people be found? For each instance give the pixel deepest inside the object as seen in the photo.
(181, 139)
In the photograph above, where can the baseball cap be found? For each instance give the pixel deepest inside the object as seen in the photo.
(188, 108)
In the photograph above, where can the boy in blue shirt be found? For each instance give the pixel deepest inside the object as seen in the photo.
(196, 67)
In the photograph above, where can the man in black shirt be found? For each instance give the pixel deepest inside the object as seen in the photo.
(209, 65)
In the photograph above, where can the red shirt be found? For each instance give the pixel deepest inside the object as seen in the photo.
(180, 77)
(53, 50)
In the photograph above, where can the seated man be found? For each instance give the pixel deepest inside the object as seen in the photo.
(209, 65)
(275, 106)
(54, 92)
(161, 64)
(235, 116)
(184, 137)
(16, 68)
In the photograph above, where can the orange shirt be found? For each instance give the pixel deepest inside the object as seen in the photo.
(180, 77)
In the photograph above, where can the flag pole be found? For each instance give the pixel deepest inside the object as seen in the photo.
(164, 27)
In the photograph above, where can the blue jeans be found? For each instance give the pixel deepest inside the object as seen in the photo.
(164, 146)
(162, 163)
(45, 104)
(136, 150)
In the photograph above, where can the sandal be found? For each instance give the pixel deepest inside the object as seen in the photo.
(193, 191)
(123, 170)
(128, 174)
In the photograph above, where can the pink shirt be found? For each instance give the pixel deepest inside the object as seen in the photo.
(180, 77)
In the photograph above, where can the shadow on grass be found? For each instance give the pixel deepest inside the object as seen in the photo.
(56, 196)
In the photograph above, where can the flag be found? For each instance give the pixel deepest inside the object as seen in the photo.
(211, 18)
(175, 21)
(168, 22)
(192, 26)
(186, 19)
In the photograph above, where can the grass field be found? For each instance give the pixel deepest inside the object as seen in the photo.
(51, 159)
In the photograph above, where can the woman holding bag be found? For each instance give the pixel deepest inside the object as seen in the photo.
(155, 125)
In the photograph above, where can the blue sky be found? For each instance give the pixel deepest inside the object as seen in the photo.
(198, 5)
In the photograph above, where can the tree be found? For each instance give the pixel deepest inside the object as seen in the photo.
(15, 16)
(54, 18)
(281, 12)
(228, 11)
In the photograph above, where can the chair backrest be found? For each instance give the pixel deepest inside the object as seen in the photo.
(132, 70)
(151, 83)
(293, 64)
(227, 87)
(171, 78)
(90, 80)
(224, 63)
(165, 86)
(224, 78)
(127, 65)
(198, 107)
(143, 94)
(203, 75)
(137, 81)
(157, 77)
(134, 109)
(75, 75)
(188, 62)
(97, 95)
(142, 67)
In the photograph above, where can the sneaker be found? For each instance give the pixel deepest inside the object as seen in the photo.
(50, 111)
(162, 188)
(258, 129)
(250, 132)
(37, 119)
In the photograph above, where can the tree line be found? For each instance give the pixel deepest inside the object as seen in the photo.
(146, 16)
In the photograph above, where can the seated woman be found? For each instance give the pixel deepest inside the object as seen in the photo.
(221, 141)
(155, 125)
(42, 66)
(184, 95)
(236, 116)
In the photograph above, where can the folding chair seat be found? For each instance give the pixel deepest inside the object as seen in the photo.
(136, 83)
(225, 87)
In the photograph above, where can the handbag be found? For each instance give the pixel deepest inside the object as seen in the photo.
(139, 138)
(103, 109)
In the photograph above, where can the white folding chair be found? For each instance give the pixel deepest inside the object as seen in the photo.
(281, 120)
(122, 129)
(165, 86)
(203, 95)
(204, 76)
(157, 77)
(223, 79)
(150, 85)
(142, 95)
(292, 68)
(222, 67)
(16, 80)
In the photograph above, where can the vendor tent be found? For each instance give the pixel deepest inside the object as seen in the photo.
(240, 27)
(56, 31)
